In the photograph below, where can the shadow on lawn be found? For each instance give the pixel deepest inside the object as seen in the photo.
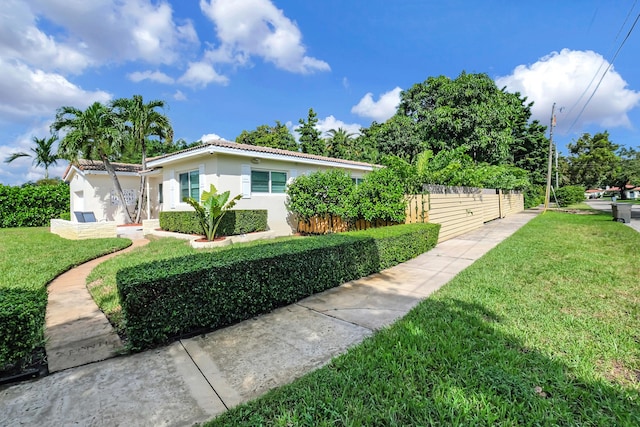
(445, 363)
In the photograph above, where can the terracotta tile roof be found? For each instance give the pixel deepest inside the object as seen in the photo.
(260, 149)
(97, 165)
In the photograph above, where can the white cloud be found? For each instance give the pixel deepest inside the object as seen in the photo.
(380, 110)
(26, 92)
(257, 28)
(179, 96)
(330, 122)
(200, 74)
(110, 30)
(562, 77)
(210, 137)
(154, 76)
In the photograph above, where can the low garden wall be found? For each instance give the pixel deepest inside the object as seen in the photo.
(83, 230)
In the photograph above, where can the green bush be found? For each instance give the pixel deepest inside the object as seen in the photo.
(32, 205)
(22, 313)
(570, 195)
(320, 194)
(533, 196)
(185, 295)
(234, 222)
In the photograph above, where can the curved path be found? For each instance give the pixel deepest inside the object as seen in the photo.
(77, 332)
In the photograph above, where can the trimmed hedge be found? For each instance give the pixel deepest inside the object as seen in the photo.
(181, 296)
(22, 313)
(32, 205)
(569, 195)
(234, 222)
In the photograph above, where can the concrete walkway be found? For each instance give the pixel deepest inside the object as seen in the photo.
(77, 332)
(193, 380)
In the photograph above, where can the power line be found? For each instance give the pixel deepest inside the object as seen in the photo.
(605, 73)
(586, 89)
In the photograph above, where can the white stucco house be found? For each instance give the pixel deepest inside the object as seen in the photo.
(259, 174)
(92, 189)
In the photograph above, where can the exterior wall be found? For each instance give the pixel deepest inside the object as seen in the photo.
(78, 231)
(92, 193)
(226, 173)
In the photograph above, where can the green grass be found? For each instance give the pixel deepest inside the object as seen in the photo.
(32, 257)
(542, 330)
(101, 282)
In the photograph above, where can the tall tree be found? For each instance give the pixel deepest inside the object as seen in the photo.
(628, 170)
(592, 160)
(339, 143)
(97, 132)
(531, 153)
(42, 154)
(142, 121)
(397, 137)
(277, 136)
(310, 140)
(467, 111)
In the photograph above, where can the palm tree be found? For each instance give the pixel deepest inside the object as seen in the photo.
(97, 132)
(42, 153)
(338, 142)
(143, 121)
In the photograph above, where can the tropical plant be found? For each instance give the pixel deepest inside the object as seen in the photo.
(211, 209)
(339, 142)
(97, 132)
(42, 153)
(141, 122)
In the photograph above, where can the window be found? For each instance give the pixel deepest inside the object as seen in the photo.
(190, 185)
(357, 181)
(268, 181)
(160, 197)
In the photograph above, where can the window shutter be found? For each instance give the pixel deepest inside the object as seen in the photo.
(201, 173)
(172, 189)
(246, 181)
(293, 174)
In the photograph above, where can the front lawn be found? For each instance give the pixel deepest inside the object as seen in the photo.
(543, 330)
(29, 259)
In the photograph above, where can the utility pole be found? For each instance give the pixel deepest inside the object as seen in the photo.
(547, 194)
(556, 145)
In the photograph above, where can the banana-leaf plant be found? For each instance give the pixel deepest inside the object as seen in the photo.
(211, 209)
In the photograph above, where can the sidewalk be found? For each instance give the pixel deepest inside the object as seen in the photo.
(193, 380)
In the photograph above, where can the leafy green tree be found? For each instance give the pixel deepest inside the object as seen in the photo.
(310, 141)
(277, 136)
(97, 132)
(628, 170)
(592, 160)
(211, 209)
(531, 153)
(397, 136)
(380, 196)
(142, 121)
(42, 153)
(467, 111)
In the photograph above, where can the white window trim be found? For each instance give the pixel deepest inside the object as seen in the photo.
(270, 192)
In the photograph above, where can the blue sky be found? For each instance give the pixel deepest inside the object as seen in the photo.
(223, 66)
